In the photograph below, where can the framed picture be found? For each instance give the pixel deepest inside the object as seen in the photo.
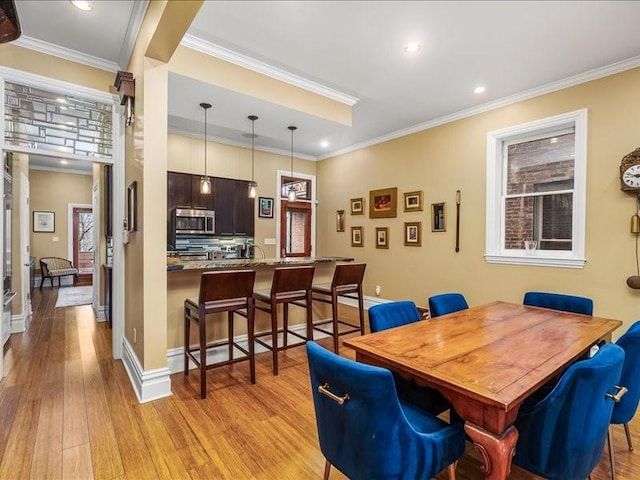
(382, 237)
(357, 206)
(412, 234)
(339, 220)
(132, 208)
(44, 221)
(265, 207)
(413, 201)
(383, 203)
(357, 236)
(438, 217)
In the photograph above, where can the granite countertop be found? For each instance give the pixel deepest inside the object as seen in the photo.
(221, 264)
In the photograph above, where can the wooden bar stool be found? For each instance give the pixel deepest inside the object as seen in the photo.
(224, 291)
(290, 285)
(347, 282)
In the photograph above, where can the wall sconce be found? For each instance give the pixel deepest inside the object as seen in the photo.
(126, 86)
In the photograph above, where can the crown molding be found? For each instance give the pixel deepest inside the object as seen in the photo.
(66, 53)
(572, 81)
(230, 56)
(234, 143)
(135, 21)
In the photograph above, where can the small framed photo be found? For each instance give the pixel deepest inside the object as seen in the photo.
(412, 234)
(438, 217)
(339, 220)
(357, 206)
(132, 207)
(357, 236)
(413, 201)
(265, 207)
(44, 222)
(383, 203)
(382, 237)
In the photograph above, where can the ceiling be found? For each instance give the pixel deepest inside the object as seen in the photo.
(354, 49)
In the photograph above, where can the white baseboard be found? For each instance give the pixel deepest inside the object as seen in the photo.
(100, 313)
(147, 384)
(367, 301)
(18, 323)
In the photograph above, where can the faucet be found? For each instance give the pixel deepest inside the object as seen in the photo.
(259, 248)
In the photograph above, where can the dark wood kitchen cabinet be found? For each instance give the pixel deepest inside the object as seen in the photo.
(234, 210)
(183, 191)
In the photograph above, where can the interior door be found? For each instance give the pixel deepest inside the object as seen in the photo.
(295, 229)
(25, 248)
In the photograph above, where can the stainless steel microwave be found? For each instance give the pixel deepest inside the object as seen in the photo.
(193, 222)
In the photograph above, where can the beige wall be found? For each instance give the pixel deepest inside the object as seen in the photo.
(53, 192)
(186, 155)
(443, 159)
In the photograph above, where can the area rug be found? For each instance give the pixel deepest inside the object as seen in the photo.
(72, 296)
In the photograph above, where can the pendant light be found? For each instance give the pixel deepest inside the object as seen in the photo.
(205, 181)
(253, 185)
(292, 192)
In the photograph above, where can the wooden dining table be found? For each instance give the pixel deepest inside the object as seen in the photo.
(486, 361)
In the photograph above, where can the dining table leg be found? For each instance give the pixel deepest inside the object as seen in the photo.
(496, 450)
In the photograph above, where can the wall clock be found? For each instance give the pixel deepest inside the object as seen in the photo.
(630, 172)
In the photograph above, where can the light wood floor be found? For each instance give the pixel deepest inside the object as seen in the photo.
(67, 410)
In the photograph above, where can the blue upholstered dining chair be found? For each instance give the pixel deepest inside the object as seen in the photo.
(396, 314)
(625, 409)
(446, 303)
(366, 432)
(562, 436)
(558, 301)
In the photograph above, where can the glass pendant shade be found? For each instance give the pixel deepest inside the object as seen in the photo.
(205, 185)
(253, 189)
(205, 181)
(292, 193)
(253, 185)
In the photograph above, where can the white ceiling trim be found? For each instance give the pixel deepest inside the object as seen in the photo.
(226, 141)
(588, 76)
(66, 53)
(227, 55)
(139, 9)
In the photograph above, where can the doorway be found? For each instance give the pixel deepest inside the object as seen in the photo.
(295, 229)
(82, 243)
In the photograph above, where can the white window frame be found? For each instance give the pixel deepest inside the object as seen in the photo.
(496, 174)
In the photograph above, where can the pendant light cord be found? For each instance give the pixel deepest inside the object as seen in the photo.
(253, 149)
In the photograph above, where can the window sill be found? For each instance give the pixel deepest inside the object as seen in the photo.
(536, 261)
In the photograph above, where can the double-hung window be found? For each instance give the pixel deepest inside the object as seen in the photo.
(536, 181)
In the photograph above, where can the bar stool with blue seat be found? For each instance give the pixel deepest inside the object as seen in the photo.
(346, 282)
(396, 314)
(445, 303)
(562, 436)
(626, 408)
(220, 291)
(290, 285)
(366, 432)
(559, 301)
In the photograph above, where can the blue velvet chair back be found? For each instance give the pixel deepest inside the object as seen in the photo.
(372, 435)
(624, 411)
(446, 303)
(558, 301)
(562, 436)
(392, 314)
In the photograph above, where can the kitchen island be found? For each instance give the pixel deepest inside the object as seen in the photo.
(183, 281)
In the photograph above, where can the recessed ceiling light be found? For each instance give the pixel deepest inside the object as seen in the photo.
(61, 100)
(413, 47)
(553, 140)
(479, 90)
(324, 144)
(82, 5)
(64, 162)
